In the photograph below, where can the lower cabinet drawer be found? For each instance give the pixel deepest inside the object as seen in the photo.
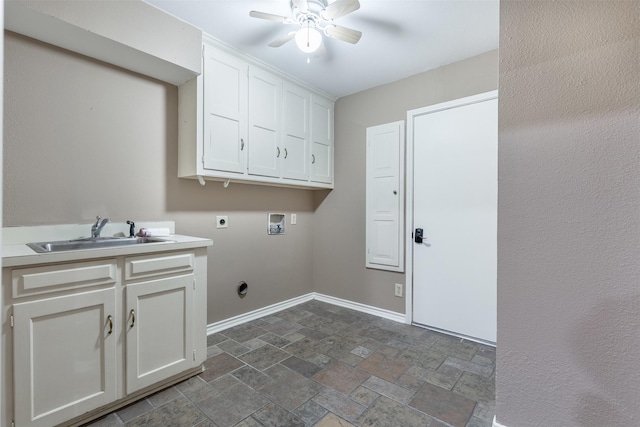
(158, 265)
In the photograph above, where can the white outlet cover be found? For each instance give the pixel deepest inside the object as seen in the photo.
(222, 221)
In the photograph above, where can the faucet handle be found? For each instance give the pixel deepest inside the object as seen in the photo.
(132, 228)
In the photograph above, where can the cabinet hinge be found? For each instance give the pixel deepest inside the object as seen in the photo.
(194, 355)
(11, 320)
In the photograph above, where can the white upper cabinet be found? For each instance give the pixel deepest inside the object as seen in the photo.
(244, 121)
(225, 112)
(321, 140)
(295, 132)
(265, 99)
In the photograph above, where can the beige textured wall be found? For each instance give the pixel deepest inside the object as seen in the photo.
(339, 222)
(569, 203)
(83, 138)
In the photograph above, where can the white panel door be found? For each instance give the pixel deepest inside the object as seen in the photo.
(225, 112)
(159, 330)
(455, 203)
(384, 187)
(321, 140)
(64, 357)
(295, 132)
(264, 123)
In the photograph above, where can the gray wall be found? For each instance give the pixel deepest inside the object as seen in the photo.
(569, 203)
(83, 138)
(339, 221)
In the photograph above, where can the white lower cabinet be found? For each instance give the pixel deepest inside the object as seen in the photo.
(64, 355)
(87, 335)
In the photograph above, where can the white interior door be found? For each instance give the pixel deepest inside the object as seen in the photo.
(455, 190)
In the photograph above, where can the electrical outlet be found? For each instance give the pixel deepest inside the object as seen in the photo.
(294, 219)
(222, 221)
(398, 290)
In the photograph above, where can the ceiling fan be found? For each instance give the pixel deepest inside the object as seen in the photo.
(314, 17)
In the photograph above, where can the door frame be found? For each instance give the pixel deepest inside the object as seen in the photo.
(409, 226)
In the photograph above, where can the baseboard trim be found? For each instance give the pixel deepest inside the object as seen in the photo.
(496, 423)
(256, 314)
(274, 308)
(380, 312)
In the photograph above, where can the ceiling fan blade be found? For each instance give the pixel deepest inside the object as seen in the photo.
(282, 40)
(339, 8)
(268, 16)
(345, 34)
(302, 5)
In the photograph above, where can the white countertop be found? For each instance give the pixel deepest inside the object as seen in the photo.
(17, 253)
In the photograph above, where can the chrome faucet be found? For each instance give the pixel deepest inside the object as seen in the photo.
(96, 228)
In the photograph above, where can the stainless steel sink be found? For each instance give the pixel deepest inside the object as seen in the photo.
(91, 243)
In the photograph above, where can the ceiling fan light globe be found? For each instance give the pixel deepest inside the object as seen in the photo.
(308, 40)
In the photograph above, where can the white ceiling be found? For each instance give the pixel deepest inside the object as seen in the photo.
(400, 38)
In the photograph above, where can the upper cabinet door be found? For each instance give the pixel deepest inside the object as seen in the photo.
(225, 111)
(295, 132)
(321, 140)
(265, 97)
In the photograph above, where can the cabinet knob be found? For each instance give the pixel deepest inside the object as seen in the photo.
(313, 159)
(285, 153)
(241, 144)
(278, 155)
(110, 321)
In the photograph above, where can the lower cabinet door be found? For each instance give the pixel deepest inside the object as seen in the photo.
(159, 330)
(64, 357)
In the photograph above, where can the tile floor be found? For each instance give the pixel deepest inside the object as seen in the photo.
(322, 365)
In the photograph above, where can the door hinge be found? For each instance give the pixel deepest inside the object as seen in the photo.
(194, 355)
(11, 320)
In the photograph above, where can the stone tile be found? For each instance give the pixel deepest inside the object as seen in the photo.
(312, 333)
(248, 422)
(476, 388)
(378, 334)
(134, 410)
(232, 347)
(384, 349)
(192, 385)
(303, 367)
(213, 351)
(338, 346)
(456, 347)
(164, 396)
(332, 420)
(445, 376)
(341, 377)
(386, 412)
(361, 351)
(477, 422)
(275, 340)
(382, 367)
(219, 365)
(288, 388)
(232, 406)
(110, 420)
(321, 360)
(224, 382)
(272, 415)
(264, 357)
(206, 423)
(178, 412)
(303, 348)
(409, 382)
(243, 333)
(294, 336)
(364, 396)
(483, 361)
(310, 412)
(215, 339)
(294, 314)
(251, 377)
(339, 404)
(351, 359)
(422, 357)
(389, 390)
(282, 327)
(254, 343)
(443, 405)
(484, 412)
(463, 365)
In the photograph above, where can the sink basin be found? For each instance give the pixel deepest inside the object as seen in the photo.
(91, 243)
